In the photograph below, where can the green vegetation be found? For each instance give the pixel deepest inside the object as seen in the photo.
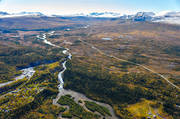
(13, 59)
(16, 108)
(129, 89)
(75, 109)
(46, 111)
(119, 90)
(80, 101)
(30, 96)
(147, 108)
(12, 86)
(4, 100)
(67, 115)
(95, 107)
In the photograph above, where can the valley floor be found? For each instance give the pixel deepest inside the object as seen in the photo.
(91, 71)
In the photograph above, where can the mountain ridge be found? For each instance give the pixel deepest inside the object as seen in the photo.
(170, 17)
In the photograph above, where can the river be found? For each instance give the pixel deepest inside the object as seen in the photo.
(26, 73)
(77, 96)
(29, 72)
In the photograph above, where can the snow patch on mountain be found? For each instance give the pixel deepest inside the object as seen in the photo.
(175, 20)
(6, 15)
(104, 14)
(171, 17)
(168, 17)
(3, 13)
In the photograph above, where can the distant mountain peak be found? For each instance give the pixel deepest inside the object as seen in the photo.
(172, 17)
(31, 13)
(145, 14)
(5, 14)
(104, 14)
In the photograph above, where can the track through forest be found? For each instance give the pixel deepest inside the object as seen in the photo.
(142, 66)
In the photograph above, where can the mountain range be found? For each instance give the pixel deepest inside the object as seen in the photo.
(166, 17)
(6, 15)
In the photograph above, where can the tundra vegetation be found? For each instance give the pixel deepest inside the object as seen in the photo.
(132, 91)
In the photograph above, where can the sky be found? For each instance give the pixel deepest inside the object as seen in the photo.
(62, 7)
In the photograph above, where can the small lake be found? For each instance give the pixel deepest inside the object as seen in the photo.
(108, 39)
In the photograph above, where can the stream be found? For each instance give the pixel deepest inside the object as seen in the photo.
(44, 38)
(26, 73)
(29, 72)
(77, 96)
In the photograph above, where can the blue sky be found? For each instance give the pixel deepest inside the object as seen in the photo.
(86, 6)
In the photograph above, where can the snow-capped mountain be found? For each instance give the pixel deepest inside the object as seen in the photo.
(6, 15)
(168, 14)
(168, 17)
(164, 17)
(93, 14)
(104, 14)
(143, 16)
(30, 13)
(140, 16)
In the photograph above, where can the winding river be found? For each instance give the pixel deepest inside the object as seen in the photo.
(29, 72)
(77, 96)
